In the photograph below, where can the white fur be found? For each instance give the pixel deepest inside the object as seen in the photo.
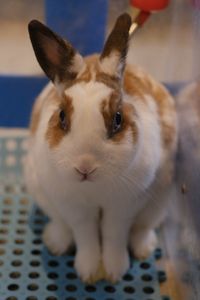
(122, 185)
(111, 64)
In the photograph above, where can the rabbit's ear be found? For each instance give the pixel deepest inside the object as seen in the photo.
(112, 59)
(58, 59)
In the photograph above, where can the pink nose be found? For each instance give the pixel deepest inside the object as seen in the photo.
(85, 172)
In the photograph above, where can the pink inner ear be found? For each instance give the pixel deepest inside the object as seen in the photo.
(51, 49)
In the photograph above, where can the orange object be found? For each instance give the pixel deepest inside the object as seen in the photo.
(149, 5)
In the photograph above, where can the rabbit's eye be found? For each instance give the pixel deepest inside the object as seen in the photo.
(63, 121)
(117, 122)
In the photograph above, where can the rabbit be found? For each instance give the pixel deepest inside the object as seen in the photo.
(188, 166)
(101, 158)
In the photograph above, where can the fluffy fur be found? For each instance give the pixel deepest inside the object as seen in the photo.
(129, 173)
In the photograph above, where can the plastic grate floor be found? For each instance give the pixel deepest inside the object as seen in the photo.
(28, 271)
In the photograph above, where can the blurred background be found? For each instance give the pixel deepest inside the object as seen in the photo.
(166, 45)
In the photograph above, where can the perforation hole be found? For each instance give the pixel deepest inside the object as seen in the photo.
(18, 251)
(1, 263)
(129, 290)
(3, 241)
(53, 263)
(37, 231)
(109, 289)
(145, 265)
(39, 221)
(5, 221)
(9, 189)
(23, 212)
(3, 231)
(32, 287)
(37, 241)
(16, 263)
(52, 298)
(13, 287)
(70, 263)
(19, 241)
(148, 290)
(15, 275)
(52, 287)
(53, 275)
(71, 276)
(22, 221)
(24, 201)
(128, 277)
(35, 263)
(12, 298)
(39, 213)
(23, 189)
(71, 288)
(7, 201)
(70, 298)
(2, 251)
(32, 298)
(20, 231)
(147, 277)
(34, 275)
(6, 211)
(35, 252)
(90, 288)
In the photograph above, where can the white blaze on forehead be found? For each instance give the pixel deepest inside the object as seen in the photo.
(86, 100)
(88, 94)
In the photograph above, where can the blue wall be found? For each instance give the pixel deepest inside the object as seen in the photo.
(83, 24)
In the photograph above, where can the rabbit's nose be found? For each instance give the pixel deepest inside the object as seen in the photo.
(85, 166)
(85, 173)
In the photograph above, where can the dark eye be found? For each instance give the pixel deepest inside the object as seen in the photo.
(117, 121)
(63, 121)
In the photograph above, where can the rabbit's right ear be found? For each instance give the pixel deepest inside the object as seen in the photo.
(58, 59)
(113, 57)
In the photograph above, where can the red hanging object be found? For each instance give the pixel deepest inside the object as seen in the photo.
(149, 5)
(145, 8)
(196, 3)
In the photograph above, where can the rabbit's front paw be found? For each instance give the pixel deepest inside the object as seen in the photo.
(57, 238)
(116, 264)
(143, 243)
(87, 264)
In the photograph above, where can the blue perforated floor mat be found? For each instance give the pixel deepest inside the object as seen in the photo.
(28, 271)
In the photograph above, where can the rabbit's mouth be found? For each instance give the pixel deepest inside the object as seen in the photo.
(85, 175)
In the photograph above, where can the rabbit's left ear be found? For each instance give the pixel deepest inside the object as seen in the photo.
(113, 57)
(58, 59)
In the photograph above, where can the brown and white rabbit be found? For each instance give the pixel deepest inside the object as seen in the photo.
(100, 163)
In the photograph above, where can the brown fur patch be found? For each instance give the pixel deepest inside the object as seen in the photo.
(139, 84)
(110, 81)
(85, 77)
(109, 107)
(55, 132)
